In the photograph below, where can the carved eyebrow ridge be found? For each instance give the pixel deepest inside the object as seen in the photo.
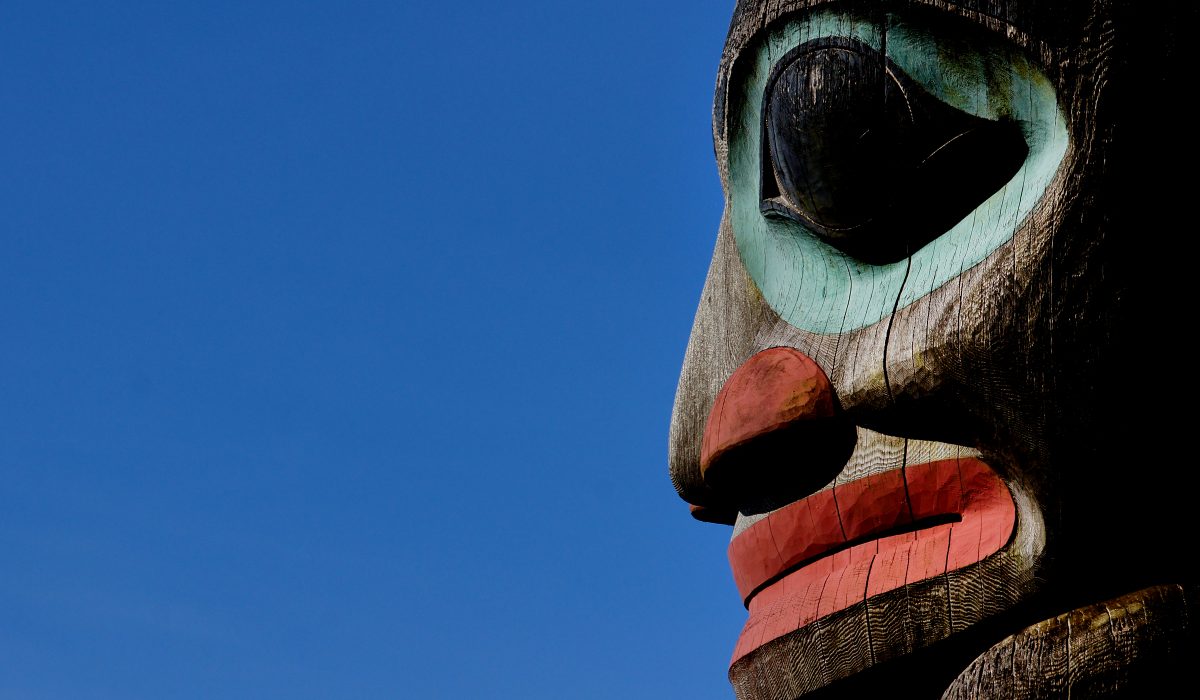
(1028, 24)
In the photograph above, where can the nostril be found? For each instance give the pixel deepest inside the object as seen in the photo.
(775, 433)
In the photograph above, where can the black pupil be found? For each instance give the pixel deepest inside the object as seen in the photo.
(869, 160)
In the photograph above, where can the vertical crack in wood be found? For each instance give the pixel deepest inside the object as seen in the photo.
(949, 593)
(887, 336)
(884, 20)
(1068, 645)
(867, 611)
(904, 478)
(837, 508)
(909, 633)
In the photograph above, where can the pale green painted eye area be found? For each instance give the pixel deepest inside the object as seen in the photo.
(816, 287)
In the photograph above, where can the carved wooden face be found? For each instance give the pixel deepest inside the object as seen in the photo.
(905, 381)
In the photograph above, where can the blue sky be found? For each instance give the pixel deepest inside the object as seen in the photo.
(339, 347)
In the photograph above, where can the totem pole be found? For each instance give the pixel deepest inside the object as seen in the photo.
(935, 383)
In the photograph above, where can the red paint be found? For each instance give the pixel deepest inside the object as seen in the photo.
(757, 550)
(814, 587)
(927, 555)
(935, 487)
(773, 389)
(826, 605)
(781, 619)
(889, 570)
(792, 533)
(836, 577)
(874, 504)
(853, 586)
(865, 553)
(964, 541)
(826, 526)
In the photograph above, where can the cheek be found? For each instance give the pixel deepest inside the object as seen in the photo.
(985, 350)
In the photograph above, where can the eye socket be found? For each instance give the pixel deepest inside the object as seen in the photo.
(864, 157)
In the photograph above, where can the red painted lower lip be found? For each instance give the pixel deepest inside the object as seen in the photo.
(840, 546)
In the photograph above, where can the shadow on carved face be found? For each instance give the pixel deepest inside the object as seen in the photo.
(892, 381)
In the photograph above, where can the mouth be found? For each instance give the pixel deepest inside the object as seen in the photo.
(866, 536)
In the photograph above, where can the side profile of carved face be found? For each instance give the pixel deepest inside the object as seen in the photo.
(933, 326)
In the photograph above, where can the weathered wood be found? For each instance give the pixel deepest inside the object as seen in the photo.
(792, 665)
(1139, 645)
(1010, 311)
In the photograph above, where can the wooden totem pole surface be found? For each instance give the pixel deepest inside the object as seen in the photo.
(936, 382)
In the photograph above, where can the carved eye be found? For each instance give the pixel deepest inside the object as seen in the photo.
(867, 159)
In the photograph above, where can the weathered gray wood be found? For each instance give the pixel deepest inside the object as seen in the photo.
(1141, 644)
(1053, 354)
(729, 306)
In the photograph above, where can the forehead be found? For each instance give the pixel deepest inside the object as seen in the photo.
(1040, 21)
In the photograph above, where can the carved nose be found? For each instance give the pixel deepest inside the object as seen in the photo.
(775, 433)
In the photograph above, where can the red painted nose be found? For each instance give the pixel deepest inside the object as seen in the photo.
(775, 433)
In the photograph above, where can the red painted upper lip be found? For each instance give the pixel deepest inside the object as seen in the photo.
(964, 492)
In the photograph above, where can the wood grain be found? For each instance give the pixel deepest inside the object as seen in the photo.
(1141, 644)
(1039, 334)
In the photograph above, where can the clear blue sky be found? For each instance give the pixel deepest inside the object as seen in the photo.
(339, 345)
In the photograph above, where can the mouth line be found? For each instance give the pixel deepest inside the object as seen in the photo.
(928, 523)
(844, 545)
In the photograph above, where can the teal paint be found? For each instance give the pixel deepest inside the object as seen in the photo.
(818, 288)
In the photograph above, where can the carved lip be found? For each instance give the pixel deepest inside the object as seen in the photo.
(862, 538)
